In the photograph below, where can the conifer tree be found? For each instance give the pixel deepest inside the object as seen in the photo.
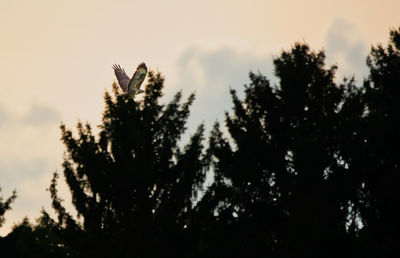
(278, 179)
(6, 205)
(305, 168)
(132, 186)
(379, 164)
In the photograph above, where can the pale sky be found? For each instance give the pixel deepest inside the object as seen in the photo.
(56, 58)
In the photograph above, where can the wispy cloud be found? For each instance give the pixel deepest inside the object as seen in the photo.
(346, 47)
(30, 178)
(210, 73)
(29, 153)
(40, 115)
(4, 116)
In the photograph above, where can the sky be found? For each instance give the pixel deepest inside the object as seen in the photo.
(56, 58)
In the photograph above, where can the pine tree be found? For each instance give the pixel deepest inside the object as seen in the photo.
(6, 205)
(380, 164)
(132, 186)
(305, 168)
(279, 178)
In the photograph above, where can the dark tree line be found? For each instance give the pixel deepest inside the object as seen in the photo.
(306, 168)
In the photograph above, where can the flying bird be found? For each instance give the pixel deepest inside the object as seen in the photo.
(131, 86)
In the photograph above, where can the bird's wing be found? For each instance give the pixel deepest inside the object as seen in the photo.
(122, 77)
(137, 78)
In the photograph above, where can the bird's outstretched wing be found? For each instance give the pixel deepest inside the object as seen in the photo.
(122, 77)
(137, 78)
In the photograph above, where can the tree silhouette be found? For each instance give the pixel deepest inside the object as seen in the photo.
(305, 168)
(27, 240)
(5, 205)
(310, 168)
(278, 181)
(379, 167)
(132, 186)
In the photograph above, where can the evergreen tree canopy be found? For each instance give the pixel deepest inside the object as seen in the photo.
(305, 168)
(133, 186)
(379, 163)
(310, 168)
(5, 205)
(279, 178)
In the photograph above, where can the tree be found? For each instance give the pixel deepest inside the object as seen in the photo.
(310, 168)
(27, 240)
(280, 179)
(5, 205)
(133, 186)
(379, 167)
(305, 168)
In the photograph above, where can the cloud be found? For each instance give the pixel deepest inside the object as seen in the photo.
(30, 151)
(32, 134)
(346, 47)
(13, 171)
(40, 115)
(210, 73)
(4, 116)
(30, 179)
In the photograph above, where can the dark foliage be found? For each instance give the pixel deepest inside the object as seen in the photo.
(280, 179)
(5, 205)
(132, 186)
(41, 240)
(306, 168)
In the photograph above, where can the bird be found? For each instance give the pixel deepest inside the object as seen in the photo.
(130, 86)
